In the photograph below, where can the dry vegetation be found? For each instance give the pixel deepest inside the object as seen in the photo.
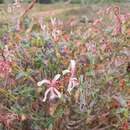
(65, 68)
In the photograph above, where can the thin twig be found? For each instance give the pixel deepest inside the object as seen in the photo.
(31, 5)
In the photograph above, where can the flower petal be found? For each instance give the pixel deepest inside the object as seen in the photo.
(70, 87)
(57, 77)
(57, 92)
(72, 67)
(43, 82)
(52, 94)
(53, 21)
(72, 64)
(72, 84)
(65, 72)
(46, 93)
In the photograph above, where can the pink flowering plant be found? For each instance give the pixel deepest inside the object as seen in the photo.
(61, 73)
(52, 88)
(73, 81)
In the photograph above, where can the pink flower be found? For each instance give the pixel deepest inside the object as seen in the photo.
(52, 84)
(91, 47)
(118, 27)
(73, 81)
(97, 22)
(108, 10)
(8, 54)
(5, 68)
(42, 25)
(53, 21)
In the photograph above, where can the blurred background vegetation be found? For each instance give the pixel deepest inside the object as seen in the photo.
(71, 1)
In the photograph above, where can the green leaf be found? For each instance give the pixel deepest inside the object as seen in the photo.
(123, 111)
(49, 122)
(91, 58)
(59, 113)
(90, 72)
(20, 75)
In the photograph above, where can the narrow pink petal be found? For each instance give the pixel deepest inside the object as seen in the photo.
(72, 84)
(45, 81)
(75, 80)
(53, 21)
(57, 92)
(52, 94)
(46, 93)
(73, 67)
(72, 63)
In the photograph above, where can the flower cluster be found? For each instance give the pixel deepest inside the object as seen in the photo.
(5, 68)
(52, 84)
(52, 88)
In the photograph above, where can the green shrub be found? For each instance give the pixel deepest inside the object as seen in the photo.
(1, 1)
